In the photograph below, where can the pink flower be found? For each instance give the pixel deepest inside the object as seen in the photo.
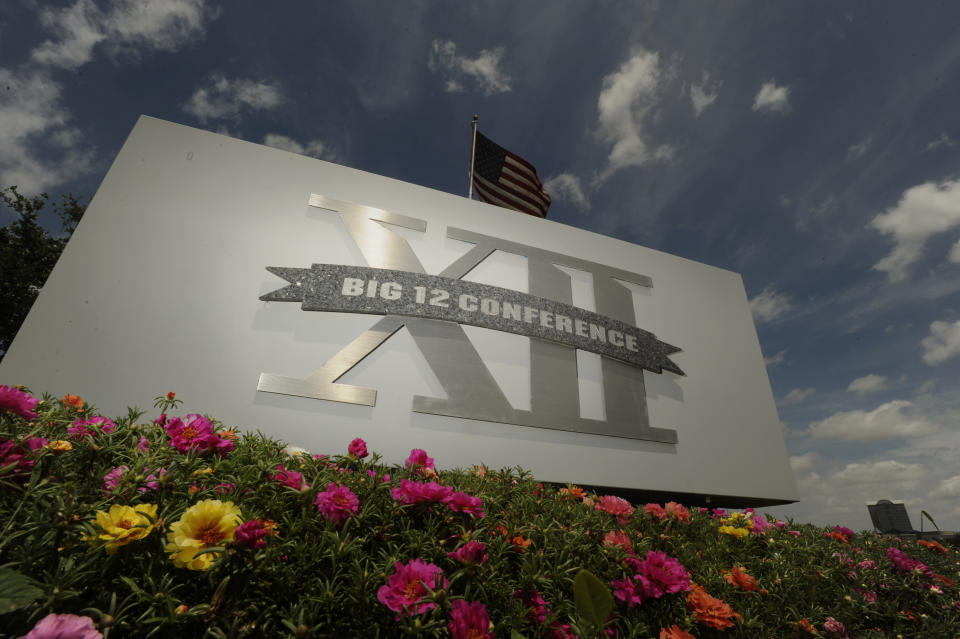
(250, 534)
(760, 524)
(91, 428)
(337, 503)
(18, 402)
(112, 479)
(835, 628)
(616, 506)
(795, 533)
(55, 626)
(290, 478)
(143, 444)
(418, 460)
(408, 586)
(618, 539)
(417, 492)
(464, 503)
(677, 511)
(358, 448)
(224, 487)
(867, 564)
(196, 432)
(373, 475)
(656, 510)
(472, 553)
(469, 620)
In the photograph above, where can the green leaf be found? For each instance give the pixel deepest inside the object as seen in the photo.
(592, 598)
(516, 635)
(16, 591)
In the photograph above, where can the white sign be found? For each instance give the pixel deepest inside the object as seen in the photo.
(159, 289)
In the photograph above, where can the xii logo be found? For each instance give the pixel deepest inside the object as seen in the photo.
(471, 390)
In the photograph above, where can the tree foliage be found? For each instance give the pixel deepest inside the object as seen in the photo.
(28, 253)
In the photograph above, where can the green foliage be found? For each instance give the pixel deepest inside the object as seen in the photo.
(544, 544)
(28, 253)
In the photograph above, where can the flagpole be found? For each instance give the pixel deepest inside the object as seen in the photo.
(473, 151)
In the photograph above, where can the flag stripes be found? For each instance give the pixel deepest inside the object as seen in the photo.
(505, 179)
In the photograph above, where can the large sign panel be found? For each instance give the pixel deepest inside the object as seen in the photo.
(318, 303)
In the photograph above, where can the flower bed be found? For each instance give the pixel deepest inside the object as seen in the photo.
(179, 526)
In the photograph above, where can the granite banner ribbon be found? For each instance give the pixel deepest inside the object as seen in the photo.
(361, 289)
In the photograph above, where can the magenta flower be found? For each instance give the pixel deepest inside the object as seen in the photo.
(469, 620)
(472, 553)
(464, 503)
(418, 460)
(846, 532)
(630, 591)
(15, 455)
(55, 626)
(337, 503)
(358, 448)
(91, 428)
(537, 607)
(409, 585)
(665, 574)
(196, 432)
(224, 487)
(143, 444)
(250, 534)
(904, 563)
(18, 402)
(290, 478)
(418, 492)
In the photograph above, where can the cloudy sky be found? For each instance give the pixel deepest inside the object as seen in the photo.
(812, 147)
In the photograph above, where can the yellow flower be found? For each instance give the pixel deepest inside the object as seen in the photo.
(735, 532)
(60, 445)
(202, 471)
(123, 524)
(206, 524)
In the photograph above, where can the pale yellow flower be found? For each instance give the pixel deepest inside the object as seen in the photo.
(206, 524)
(123, 524)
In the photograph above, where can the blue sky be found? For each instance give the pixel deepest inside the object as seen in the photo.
(812, 147)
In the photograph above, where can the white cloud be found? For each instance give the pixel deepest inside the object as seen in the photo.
(886, 421)
(776, 359)
(804, 462)
(38, 146)
(887, 471)
(484, 70)
(704, 93)
(949, 487)
(867, 384)
(627, 97)
(943, 142)
(769, 305)
(125, 29)
(923, 211)
(566, 186)
(225, 98)
(314, 148)
(772, 98)
(797, 395)
(942, 343)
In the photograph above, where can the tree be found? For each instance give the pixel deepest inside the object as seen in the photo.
(28, 253)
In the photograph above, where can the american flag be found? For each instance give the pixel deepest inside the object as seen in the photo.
(505, 179)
